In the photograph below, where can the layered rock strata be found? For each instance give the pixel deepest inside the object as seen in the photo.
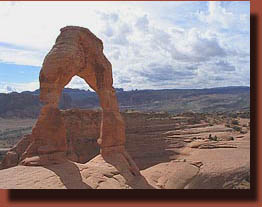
(77, 52)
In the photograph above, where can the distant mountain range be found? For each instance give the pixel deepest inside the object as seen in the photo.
(234, 98)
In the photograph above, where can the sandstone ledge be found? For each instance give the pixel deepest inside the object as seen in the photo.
(97, 174)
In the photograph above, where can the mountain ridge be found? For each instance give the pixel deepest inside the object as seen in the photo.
(232, 98)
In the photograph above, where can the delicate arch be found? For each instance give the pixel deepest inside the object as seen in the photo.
(78, 52)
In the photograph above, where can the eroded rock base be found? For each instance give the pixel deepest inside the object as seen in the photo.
(99, 174)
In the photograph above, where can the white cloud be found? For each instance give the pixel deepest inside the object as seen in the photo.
(142, 23)
(79, 83)
(21, 56)
(18, 87)
(217, 15)
(136, 35)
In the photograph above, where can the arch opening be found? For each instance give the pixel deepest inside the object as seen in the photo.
(66, 59)
(78, 94)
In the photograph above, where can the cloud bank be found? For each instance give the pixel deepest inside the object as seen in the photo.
(150, 44)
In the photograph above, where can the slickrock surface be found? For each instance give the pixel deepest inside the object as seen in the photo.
(158, 139)
(96, 174)
(222, 168)
(224, 165)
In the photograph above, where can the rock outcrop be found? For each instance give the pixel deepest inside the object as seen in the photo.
(14, 155)
(151, 138)
(169, 151)
(48, 139)
(83, 129)
(98, 174)
(77, 52)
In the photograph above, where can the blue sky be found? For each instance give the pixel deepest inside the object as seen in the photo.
(151, 45)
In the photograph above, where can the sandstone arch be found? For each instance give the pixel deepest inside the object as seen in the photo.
(77, 52)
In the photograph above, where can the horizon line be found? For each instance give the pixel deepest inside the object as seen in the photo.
(90, 90)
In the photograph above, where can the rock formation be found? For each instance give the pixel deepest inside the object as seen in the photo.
(77, 52)
(151, 138)
(13, 156)
(169, 151)
(97, 174)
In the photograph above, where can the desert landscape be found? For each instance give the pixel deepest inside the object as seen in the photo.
(187, 150)
(149, 95)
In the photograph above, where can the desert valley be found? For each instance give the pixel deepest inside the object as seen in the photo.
(194, 148)
(125, 95)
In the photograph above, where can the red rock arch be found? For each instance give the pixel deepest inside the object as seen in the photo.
(77, 52)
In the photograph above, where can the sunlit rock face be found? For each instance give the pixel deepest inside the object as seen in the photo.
(77, 52)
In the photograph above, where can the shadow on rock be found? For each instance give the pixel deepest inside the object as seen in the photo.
(139, 182)
(120, 159)
(69, 174)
